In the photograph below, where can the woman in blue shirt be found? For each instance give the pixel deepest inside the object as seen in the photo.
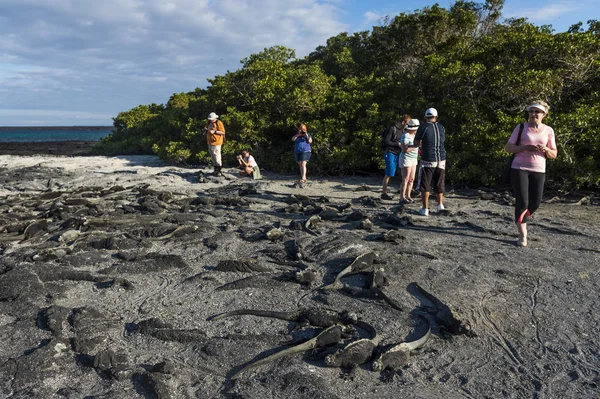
(302, 141)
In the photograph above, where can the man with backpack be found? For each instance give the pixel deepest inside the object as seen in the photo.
(215, 133)
(390, 142)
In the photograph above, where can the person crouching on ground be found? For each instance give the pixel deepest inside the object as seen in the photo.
(302, 141)
(430, 137)
(408, 160)
(215, 133)
(248, 163)
(528, 170)
(392, 147)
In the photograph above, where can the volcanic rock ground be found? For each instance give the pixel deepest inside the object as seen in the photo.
(110, 268)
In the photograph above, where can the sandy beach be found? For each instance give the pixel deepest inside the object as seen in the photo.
(112, 271)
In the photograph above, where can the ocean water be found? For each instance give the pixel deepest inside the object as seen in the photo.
(40, 135)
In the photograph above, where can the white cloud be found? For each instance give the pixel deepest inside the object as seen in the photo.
(112, 55)
(544, 13)
(49, 117)
(372, 17)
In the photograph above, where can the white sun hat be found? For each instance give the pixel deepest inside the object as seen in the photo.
(212, 116)
(413, 124)
(539, 106)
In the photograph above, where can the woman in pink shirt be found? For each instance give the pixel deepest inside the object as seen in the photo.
(528, 172)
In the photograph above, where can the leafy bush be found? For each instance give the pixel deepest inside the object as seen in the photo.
(479, 73)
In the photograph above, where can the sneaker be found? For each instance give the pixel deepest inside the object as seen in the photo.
(386, 196)
(424, 212)
(440, 207)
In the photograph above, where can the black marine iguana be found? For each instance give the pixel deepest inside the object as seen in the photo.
(374, 290)
(362, 264)
(329, 336)
(397, 356)
(357, 352)
(303, 317)
(447, 323)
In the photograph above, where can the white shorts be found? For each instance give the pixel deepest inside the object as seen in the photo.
(404, 162)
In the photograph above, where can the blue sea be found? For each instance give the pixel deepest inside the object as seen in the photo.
(39, 135)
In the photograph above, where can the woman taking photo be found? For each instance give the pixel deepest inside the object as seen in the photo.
(302, 142)
(528, 170)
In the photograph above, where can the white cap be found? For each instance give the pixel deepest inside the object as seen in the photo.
(431, 112)
(413, 124)
(212, 116)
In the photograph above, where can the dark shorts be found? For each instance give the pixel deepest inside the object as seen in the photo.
(302, 156)
(433, 177)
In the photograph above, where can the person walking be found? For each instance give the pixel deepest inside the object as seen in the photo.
(528, 170)
(408, 160)
(302, 141)
(430, 137)
(215, 133)
(392, 147)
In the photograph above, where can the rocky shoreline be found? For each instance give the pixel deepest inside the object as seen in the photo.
(112, 271)
(71, 148)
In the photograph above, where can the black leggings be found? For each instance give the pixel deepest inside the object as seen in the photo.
(528, 188)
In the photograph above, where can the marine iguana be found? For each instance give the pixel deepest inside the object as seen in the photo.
(329, 336)
(357, 352)
(303, 317)
(397, 356)
(362, 264)
(447, 323)
(378, 278)
(374, 290)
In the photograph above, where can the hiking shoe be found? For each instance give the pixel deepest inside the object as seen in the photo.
(386, 196)
(440, 207)
(424, 212)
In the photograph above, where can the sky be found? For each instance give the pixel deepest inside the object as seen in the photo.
(81, 62)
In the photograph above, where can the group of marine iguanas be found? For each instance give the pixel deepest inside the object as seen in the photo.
(340, 326)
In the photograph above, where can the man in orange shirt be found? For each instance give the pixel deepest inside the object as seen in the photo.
(215, 133)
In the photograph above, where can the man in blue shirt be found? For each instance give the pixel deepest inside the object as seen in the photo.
(430, 137)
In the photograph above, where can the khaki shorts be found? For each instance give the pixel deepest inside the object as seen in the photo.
(215, 154)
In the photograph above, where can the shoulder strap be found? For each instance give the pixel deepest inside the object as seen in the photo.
(521, 126)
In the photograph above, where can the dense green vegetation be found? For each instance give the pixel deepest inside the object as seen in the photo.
(478, 72)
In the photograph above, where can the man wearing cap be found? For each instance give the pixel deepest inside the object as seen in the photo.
(215, 133)
(430, 137)
(392, 147)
